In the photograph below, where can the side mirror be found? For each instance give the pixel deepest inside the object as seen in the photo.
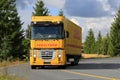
(67, 34)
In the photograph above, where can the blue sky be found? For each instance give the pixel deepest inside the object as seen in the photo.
(95, 14)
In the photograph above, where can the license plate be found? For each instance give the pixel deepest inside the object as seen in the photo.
(46, 60)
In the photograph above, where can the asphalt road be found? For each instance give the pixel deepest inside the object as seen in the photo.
(88, 69)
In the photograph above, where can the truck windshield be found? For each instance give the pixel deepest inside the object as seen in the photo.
(47, 32)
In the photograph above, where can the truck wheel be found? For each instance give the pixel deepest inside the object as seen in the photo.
(62, 67)
(33, 67)
(73, 63)
(42, 67)
(76, 61)
(77, 58)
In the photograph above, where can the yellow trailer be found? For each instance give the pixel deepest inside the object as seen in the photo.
(55, 41)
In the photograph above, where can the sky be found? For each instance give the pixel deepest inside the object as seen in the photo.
(95, 14)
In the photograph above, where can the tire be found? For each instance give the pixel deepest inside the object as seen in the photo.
(73, 63)
(33, 67)
(42, 67)
(76, 60)
(62, 67)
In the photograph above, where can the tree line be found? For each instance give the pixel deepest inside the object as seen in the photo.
(14, 40)
(108, 45)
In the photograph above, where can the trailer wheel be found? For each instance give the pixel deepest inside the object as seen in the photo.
(76, 60)
(73, 63)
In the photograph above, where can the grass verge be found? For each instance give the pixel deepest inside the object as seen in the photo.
(8, 63)
(8, 77)
(94, 56)
(4, 75)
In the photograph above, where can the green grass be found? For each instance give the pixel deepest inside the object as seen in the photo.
(8, 77)
(5, 63)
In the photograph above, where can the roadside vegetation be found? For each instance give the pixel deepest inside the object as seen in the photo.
(89, 56)
(10, 77)
(14, 46)
(8, 63)
(13, 43)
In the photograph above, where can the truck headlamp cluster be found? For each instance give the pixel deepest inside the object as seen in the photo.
(34, 53)
(58, 22)
(34, 22)
(59, 53)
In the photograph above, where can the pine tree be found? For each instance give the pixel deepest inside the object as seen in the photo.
(105, 43)
(40, 9)
(89, 45)
(28, 32)
(115, 34)
(61, 13)
(10, 25)
(26, 42)
(5, 51)
(110, 48)
(99, 43)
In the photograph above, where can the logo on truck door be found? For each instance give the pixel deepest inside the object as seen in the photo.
(47, 45)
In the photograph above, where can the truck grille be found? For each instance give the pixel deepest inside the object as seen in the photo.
(47, 54)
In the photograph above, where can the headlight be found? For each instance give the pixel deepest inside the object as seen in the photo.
(34, 53)
(59, 53)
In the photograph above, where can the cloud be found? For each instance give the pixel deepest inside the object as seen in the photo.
(114, 4)
(25, 16)
(23, 3)
(102, 24)
(90, 8)
(49, 3)
(55, 3)
(85, 8)
(25, 8)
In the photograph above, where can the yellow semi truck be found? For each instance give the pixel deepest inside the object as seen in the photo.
(55, 41)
